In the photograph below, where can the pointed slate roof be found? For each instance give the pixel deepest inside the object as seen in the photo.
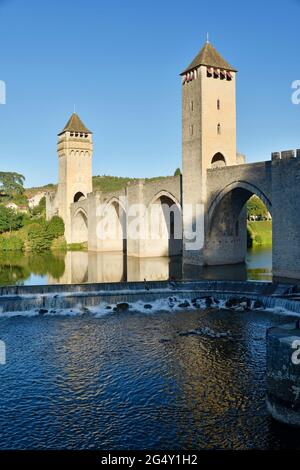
(209, 56)
(75, 124)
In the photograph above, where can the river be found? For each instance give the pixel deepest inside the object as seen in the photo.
(134, 380)
(81, 267)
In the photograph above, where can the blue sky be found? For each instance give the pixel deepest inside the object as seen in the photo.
(119, 61)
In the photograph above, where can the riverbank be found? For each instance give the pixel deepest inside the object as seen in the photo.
(259, 233)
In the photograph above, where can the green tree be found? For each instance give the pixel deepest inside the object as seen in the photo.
(56, 227)
(39, 238)
(177, 172)
(11, 184)
(9, 219)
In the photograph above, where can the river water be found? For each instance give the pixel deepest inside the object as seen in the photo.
(134, 380)
(80, 267)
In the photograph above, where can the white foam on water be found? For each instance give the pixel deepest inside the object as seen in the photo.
(167, 304)
(281, 311)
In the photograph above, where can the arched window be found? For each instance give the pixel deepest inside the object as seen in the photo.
(218, 161)
(218, 104)
(78, 196)
(219, 129)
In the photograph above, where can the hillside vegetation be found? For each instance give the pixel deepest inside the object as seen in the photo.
(105, 183)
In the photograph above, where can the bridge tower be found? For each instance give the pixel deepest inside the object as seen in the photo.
(75, 150)
(208, 131)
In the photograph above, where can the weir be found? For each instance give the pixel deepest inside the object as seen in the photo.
(47, 298)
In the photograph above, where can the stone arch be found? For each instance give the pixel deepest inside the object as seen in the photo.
(78, 196)
(167, 194)
(164, 224)
(115, 226)
(218, 160)
(80, 226)
(249, 190)
(226, 223)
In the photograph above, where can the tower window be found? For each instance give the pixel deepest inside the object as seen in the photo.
(191, 105)
(219, 129)
(218, 160)
(191, 129)
(218, 104)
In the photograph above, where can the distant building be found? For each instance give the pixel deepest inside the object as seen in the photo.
(12, 205)
(15, 207)
(34, 200)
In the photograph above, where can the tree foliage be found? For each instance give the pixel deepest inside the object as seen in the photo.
(177, 172)
(255, 207)
(12, 243)
(11, 184)
(56, 227)
(39, 239)
(42, 233)
(9, 219)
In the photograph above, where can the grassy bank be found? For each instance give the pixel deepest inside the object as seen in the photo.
(259, 233)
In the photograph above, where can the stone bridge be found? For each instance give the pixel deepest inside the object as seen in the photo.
(160, 217)
(275, 182)
(142, 201)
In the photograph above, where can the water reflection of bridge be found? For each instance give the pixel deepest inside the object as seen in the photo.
(84, 266)
(115, 267)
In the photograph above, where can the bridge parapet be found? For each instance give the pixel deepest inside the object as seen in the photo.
(286, 154)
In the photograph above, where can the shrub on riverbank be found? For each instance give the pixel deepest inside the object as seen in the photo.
(37, 236)
(59, 244)
(56, 227)
(41, 235)
(12, 243)
(77, 246)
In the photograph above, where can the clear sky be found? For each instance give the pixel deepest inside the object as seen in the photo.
(119, 61)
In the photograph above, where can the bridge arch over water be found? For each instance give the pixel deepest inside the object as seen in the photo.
(165, 223)
(115, 237)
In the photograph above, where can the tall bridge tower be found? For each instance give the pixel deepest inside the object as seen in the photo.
(75, 151)
(208, 130)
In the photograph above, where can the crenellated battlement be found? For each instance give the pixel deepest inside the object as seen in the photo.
(285, 154)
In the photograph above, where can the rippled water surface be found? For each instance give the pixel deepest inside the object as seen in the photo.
(136, 381)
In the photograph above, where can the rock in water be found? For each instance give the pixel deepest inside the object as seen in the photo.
(42, 311)
(121, 307)
(257, 304)
(184, 304)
